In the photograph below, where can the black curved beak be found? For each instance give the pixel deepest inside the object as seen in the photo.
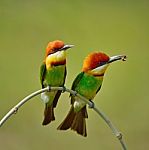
(118, 57)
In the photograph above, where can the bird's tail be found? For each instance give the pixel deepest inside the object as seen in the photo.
(48, 114)
(75, 121)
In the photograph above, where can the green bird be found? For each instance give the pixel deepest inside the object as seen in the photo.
(87, 84)
(53, 73)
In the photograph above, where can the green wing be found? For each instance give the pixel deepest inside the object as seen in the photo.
(59, 92)
(77, 80)
(75, 83)
(42, 73)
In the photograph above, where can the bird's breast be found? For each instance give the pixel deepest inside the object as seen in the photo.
(55, 76)
(88, 86)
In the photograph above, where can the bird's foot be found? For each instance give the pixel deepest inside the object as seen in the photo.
(74, 93)
(49, 88)
(64, 89)
(91, 104)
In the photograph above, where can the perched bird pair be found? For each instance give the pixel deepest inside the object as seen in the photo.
(87, 83)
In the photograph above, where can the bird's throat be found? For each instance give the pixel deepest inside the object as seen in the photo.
(99, 71)
(58, 58)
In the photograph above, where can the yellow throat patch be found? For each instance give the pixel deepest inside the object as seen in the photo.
(59, 56)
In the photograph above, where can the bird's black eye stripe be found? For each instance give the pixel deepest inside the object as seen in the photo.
(54, 51)
(102, 63)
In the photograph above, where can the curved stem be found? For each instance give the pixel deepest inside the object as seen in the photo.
(105, 118)
(16, 107)
(99, 112)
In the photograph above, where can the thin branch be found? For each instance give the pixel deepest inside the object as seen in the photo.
(22, 102)
(104, 117)
(91, 105)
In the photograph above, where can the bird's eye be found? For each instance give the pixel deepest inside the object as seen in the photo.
(56, 49)
(102, 63)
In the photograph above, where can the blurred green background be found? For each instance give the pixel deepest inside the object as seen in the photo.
(114, 27)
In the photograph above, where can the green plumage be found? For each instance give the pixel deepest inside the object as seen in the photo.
(86, 85)
(55, 76)
(42, 73)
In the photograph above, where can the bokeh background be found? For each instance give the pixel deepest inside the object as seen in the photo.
(114, 27)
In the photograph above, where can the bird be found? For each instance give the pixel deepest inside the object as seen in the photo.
(87, 83)
(53, 73)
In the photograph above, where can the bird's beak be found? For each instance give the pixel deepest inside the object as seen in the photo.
(118, 57)
(65, 47)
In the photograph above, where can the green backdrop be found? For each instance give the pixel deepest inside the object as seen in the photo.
(114, 27)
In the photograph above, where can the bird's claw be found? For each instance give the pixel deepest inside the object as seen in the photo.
(64, 89)
(49, 88)
(74, 93)
(91, 104)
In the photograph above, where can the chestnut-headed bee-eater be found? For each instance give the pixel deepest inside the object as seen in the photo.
(53, 73)
(87, 84)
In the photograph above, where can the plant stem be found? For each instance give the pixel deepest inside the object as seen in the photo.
(22, 102)
(64, 89)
